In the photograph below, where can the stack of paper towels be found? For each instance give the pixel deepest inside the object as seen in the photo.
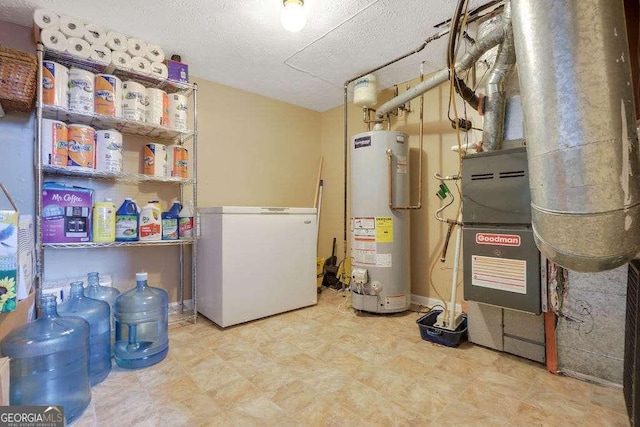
(87, 41)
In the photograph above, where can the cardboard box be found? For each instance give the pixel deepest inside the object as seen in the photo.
(4, 381)
(178, 71)
(8, 260)
(66, 213)
(23, 314)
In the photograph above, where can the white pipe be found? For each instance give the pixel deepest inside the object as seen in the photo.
(454, 285)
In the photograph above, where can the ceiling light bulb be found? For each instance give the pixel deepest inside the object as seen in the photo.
(293, 16)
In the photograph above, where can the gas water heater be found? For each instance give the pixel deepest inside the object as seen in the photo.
(380, 258)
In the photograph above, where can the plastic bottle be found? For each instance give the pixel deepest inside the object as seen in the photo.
(104, 221)
(151, 222)
(185, 221)
(142, 324)
(49, 361)
(98, 315)
(170, 222)
(104, 293)
(127, 222)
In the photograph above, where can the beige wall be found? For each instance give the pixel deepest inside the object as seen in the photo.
(427, 234)
(254, 151)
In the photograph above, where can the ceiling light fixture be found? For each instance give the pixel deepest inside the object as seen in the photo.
(293, 15)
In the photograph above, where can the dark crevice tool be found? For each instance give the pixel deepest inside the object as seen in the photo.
(443, 257)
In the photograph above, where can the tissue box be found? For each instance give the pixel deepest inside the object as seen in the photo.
(8, 260)
(23, 314)
(66, 213)
(178, 72)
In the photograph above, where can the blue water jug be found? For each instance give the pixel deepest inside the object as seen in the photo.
(98, 314)
(127, 222)
(104, 293)
(170, 229)
(49, 361)
(142, 325)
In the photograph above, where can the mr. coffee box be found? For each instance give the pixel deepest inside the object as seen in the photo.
(66, 213)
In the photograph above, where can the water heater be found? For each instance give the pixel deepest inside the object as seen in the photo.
(380, 258)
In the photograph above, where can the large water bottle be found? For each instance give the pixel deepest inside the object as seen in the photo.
(49, 361)
(98, 315)
(104, 293)
(142, 325)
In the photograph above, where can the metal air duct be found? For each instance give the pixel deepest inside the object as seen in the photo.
(575, 79)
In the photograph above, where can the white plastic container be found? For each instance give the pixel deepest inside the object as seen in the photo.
(178, 111)
(185, 221)
(365, 91)
(150, 222)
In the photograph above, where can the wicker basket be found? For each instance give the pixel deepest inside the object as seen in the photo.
(18, 79)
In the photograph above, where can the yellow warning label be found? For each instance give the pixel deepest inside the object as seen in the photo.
(384, 229)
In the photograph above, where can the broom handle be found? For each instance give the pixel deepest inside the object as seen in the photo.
(315, 198)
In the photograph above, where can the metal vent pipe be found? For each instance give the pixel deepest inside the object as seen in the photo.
(584, 163)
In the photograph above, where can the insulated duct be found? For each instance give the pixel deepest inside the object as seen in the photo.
(575, 79)
(468, 59)
(496, 96)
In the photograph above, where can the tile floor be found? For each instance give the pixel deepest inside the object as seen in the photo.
(328, 365)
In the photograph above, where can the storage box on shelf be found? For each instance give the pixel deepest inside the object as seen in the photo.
(183, 188)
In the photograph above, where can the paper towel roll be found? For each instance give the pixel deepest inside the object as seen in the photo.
(108, 95)
(140, 65)
(43, 18)
(54, 40)
(154, 53)
(54, 142)
(100, 54)
(78, 47)
(95, 35)
(55, 84)
(121, 60)
(71, 27)
(178, 112)
(133, 99)
(109, 150)
(157, 107)
(160, 70)
(136, 47)
(117, 41)
(81, 89)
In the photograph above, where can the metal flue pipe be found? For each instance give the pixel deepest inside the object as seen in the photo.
(495, 101)
(468, 59)
(584, 163)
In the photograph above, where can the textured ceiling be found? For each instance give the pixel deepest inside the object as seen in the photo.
(240, 43)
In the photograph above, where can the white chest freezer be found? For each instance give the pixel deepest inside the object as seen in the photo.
(254, 262)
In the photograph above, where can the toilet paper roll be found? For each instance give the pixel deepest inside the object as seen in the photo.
(117, 41)
(71, 27)
(100, 54)
(157, 107)
(44, 18)
(140, 65)
(95, 35)
(121, 60)
(154, 53)
(78, 47)
(53, 39)
(136, 47)
(160, 70)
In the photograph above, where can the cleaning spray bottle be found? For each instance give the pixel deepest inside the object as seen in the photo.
(185, 221)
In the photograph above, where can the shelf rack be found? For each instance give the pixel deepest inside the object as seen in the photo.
(129, 127)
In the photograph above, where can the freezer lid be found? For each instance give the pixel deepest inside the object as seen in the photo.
(256, 210)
